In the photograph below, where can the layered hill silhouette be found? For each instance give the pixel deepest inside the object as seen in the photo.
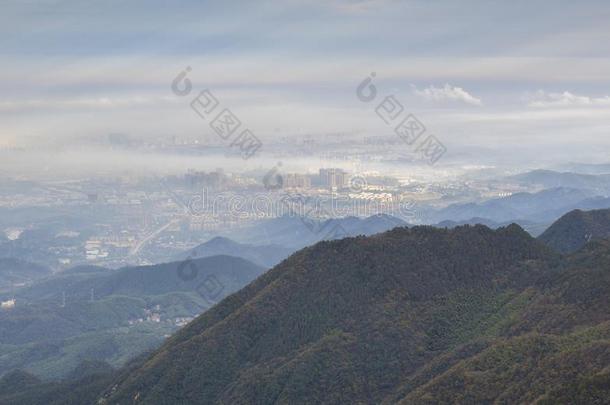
(262, 255)
(137, 281)
(419, 315)
(532, 228)
(111, 315)
(576, 228)
(297, 232)
(16, 271)
(543, 207)
(551, 179)
(413, 315)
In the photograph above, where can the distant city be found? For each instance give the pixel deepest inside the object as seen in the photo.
(129, 220)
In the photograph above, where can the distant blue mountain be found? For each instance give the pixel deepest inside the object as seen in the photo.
(587, 168)
(297, 232)
(139, 281)
(541, 207)
(110, 315)
(263, 255)
(15, 272)
(533, 228)
(600, 184)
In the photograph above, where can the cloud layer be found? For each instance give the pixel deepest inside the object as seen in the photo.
(73, 70)
(448, 93)
(542, 99)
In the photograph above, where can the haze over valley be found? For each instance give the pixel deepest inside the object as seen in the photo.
(304, 202)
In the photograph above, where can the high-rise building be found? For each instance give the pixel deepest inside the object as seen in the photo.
(333, 178)
(294, 180)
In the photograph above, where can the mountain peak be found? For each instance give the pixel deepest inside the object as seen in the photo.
(220, 240)
(328, 307)
(516, 230)
(576, 228)
(263, 255)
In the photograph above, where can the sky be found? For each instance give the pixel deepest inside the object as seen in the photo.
(519, 80)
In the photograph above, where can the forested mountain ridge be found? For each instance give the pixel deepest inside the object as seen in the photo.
(573, 230)
(19, 272)
(413, 315)
(110, 315)
(262, 255)
(357, 320)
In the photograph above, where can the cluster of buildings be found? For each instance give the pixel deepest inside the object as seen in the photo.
(329, 179)
(9, 304)
(154, 315)
(94, 250)
(123, 215)
(333, 178)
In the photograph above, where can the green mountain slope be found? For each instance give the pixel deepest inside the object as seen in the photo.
(350, 321)
(556, 351)
(15, 272)
(262, 255)
(576, 228)
(111, 315)
(421, 315)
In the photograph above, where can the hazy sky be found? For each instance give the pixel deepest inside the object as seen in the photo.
(518, 77)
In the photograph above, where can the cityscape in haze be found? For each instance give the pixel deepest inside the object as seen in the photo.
(337, 202)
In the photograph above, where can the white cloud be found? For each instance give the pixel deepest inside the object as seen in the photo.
(542, 99)
(73, 104)
(448, 93)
